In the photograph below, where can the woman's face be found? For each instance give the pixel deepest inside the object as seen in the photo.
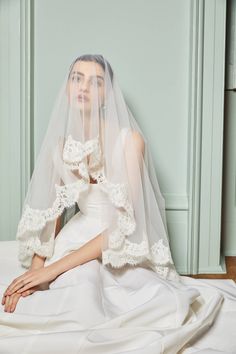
(86, 78)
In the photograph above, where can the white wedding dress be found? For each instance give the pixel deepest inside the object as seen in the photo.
(98, 309)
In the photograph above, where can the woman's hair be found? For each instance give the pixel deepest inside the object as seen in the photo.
(96, 58)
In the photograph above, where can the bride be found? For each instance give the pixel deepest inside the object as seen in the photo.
(107, 272)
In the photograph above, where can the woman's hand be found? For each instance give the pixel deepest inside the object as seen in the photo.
(10, 301)
(31, 279)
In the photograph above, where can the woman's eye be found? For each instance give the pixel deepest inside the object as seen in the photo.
(96, 82)
(77, 78)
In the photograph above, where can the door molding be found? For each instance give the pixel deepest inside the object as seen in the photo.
(206, 103)
(27, 93)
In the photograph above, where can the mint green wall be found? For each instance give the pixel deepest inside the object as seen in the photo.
(229, 196)
(163, 59)
(229, 185)
(10, 118)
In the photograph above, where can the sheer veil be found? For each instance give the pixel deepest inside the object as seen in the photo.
(92, 137)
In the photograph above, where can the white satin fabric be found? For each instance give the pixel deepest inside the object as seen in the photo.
(97, 309)
(83, 226)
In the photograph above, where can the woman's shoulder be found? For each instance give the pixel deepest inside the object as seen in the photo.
(134, 136)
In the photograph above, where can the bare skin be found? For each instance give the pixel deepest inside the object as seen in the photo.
(10, 301)
(30, 281)
(83, 78)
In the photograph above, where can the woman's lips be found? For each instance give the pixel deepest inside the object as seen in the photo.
(83, 98)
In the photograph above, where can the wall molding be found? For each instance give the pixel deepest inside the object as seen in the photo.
(206, 102)
(10, 107)
(195, 112)
(27, 93)
(176, 201)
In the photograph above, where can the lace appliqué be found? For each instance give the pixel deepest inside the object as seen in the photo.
(34, 220)
(74, 153)
(120, 251)
(32, 245)
(158, 258)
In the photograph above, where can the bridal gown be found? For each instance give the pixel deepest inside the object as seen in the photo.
(95, 309)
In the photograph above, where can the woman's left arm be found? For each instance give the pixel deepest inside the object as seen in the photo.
(89, 251)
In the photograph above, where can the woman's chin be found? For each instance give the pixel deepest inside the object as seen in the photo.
(83, 108)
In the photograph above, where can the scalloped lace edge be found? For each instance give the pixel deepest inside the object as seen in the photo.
(66, 196)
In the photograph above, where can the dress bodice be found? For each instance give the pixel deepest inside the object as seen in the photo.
(94, 202)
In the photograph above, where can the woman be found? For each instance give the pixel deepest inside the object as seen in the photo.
(109, 269)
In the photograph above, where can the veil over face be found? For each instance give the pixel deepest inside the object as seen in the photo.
(92, 137)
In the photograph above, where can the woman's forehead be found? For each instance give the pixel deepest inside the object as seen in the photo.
(88, 68)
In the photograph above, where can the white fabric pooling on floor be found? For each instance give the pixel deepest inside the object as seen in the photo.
(95, 309)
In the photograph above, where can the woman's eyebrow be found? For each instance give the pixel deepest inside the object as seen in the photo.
(78, 72)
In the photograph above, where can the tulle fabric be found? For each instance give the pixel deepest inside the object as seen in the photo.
(93, 137)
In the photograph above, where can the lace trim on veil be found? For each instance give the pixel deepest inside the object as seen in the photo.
(120, 251)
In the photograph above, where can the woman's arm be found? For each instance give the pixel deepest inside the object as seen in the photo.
(134, 155)
(91, 250)
(37, 261)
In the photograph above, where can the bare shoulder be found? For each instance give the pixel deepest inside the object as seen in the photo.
(138, 140)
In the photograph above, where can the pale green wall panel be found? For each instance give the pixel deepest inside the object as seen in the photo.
(10, 158)
(229, 187)
(178, 230)
(212, 136)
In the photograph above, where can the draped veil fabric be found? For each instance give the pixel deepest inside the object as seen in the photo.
(95, 158)
(93, 137)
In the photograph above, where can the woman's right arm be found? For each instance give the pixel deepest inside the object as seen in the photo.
(37, 262)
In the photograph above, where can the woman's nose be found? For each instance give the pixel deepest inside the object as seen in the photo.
(84, 86)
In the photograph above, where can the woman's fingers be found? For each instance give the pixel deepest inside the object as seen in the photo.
(26, 287)
(3, 300)
(17, 286)
(17, 282)
(10, 302)
(29, 291)
(7, 303)
(30, 280)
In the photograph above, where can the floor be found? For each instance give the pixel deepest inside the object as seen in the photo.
(231, 271)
